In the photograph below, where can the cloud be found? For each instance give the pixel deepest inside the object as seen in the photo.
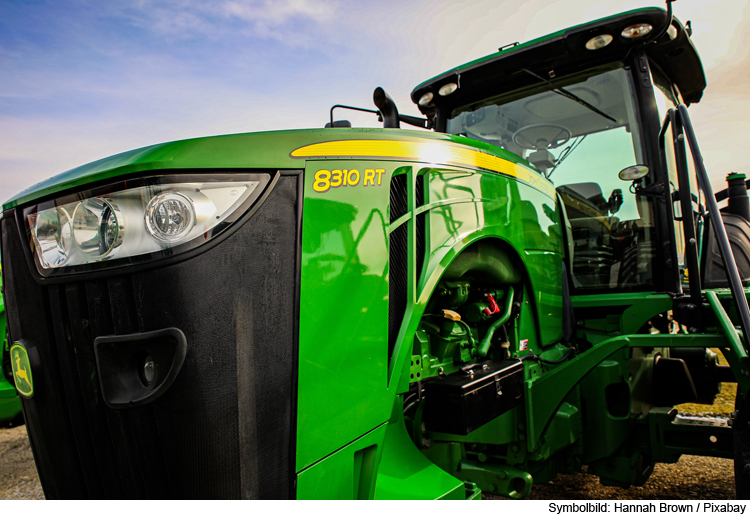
(283, 21)
(277, 12)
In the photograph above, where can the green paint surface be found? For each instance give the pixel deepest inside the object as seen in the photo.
(343, 350)
(349, 473)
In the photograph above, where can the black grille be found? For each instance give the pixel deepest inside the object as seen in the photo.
(399, 250)
(232, 399)
(419, 197)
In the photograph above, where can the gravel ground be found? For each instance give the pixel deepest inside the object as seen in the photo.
(18, 478)
(691, 478)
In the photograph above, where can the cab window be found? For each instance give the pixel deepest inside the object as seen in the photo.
(580, 140)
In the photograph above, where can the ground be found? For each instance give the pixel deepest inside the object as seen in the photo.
(18, 478)
(691, 478)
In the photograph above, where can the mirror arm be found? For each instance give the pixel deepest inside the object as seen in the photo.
(377, 112)
(415, 121)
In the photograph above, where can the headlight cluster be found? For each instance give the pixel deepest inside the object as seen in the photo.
(136, 220)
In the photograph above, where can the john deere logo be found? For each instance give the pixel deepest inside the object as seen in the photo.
(19, 357)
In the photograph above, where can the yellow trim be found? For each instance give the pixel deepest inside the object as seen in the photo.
(427, 152)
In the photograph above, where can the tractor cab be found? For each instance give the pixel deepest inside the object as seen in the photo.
(584, 107)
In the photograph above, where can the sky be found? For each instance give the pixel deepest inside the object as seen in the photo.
(81, 80)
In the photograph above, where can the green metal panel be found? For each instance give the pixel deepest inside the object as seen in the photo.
(405, 473)
(640, 307)
(605, 431)
(343, 343)
(349, 473)
(545, 393)
(10, 406)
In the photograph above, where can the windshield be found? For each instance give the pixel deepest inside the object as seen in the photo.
(580, 134)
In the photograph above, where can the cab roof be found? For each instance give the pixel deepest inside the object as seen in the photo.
(565, 52)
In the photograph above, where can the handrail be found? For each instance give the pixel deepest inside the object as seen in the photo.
(738, 293)
(686, 205)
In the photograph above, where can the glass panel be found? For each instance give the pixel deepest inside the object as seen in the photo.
(582, 152)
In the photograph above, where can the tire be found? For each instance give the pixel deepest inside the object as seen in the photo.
(741, 429)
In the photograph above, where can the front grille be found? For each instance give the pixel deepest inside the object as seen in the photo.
(232, 400)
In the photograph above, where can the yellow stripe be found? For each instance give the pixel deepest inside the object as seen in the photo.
(424, 151)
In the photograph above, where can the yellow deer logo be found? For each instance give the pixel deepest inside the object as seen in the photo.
(22, 371)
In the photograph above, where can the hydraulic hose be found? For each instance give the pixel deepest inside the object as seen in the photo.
(484, 346)
(472, 341)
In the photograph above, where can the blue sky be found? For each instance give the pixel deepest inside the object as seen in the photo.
(81, 80)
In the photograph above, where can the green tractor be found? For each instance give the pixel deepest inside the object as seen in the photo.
(529, 285)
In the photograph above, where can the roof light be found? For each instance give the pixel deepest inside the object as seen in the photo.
(448, 89)
(426, 99)
(637, 30)
(598, 42)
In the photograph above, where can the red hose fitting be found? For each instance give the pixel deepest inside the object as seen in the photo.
(494, 308)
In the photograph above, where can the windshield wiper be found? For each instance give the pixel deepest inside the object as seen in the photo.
(565, 93)
(566, 153)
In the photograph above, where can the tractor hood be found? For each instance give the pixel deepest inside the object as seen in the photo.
(259, 150)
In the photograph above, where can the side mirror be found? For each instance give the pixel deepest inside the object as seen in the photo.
(634, 173)
(344, 123)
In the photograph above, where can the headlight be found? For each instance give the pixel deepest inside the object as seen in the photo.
(136, 220)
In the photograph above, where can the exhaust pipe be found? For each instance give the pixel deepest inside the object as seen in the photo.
(738, 204)
(387, 108)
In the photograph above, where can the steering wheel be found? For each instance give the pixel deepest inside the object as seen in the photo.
(541, 136)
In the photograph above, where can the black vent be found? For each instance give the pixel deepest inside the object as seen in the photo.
(399, 250)
(419, 196)
(399, 197)
(224, 427)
